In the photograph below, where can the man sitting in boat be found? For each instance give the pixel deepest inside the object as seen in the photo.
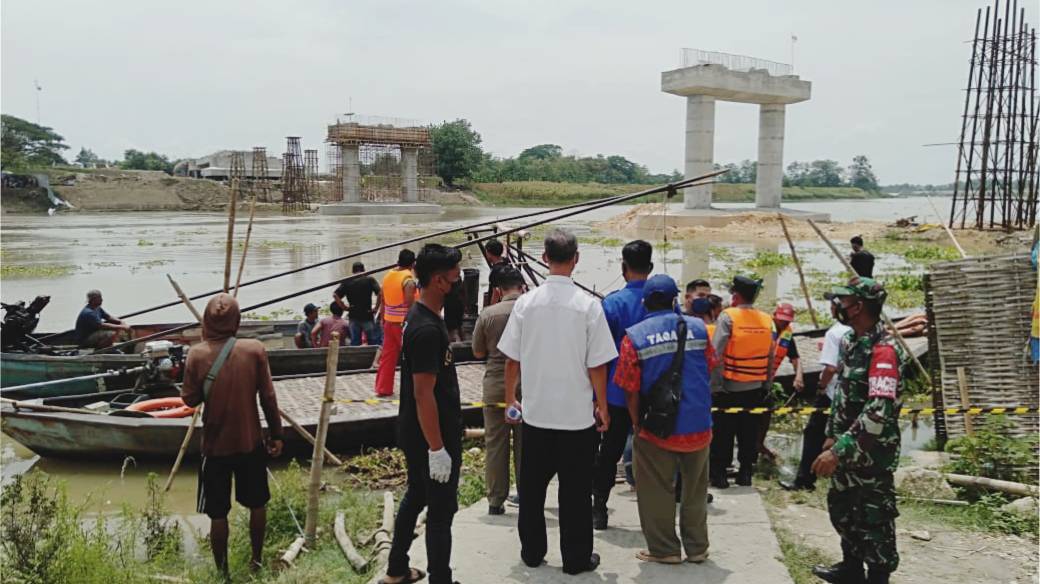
(95, 328)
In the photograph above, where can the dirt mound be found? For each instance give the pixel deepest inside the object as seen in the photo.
(138, 190)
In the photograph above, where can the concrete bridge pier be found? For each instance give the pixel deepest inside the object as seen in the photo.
(410, 174)
(769, 182)
(700, 148)
(351, 173)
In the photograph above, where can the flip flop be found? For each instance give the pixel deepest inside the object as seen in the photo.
(646, 556)
(414, 575)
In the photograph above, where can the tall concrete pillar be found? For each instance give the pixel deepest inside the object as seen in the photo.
(410, 173)
(351, 174)
(700, 148)
(770, 182)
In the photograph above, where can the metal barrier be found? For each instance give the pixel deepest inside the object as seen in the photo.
(694, 57)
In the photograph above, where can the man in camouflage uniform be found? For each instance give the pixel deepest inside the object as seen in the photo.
(862, 447)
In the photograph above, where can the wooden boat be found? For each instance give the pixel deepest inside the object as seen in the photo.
(284, 358)
(352, 426)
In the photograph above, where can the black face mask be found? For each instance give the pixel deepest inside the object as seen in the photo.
(843, 314)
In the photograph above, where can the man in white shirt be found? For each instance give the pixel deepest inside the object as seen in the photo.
(558, 336)
(814, 434)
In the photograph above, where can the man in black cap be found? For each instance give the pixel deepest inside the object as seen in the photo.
(743, 339)
(303, 330)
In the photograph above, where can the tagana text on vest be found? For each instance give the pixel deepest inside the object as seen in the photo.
(783, 345)
(654, 339)
(393, 295)
(747, 353)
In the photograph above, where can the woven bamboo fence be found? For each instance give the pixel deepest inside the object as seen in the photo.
(981, 308)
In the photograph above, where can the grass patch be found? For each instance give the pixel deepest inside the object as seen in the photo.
(35, 270)
(144, 243)
(768, 259)
(984, 515)
(281, 314)
(799, 558)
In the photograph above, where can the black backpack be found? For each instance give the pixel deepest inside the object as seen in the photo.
(660, 407)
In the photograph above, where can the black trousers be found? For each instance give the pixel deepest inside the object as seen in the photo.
(569, 455)
(743, 427)
(611, 448)
(813, 437)
(441, 501)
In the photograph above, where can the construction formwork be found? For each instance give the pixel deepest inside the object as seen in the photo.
(294, 183)
(334, 156)
(260, 185)
(383, 162)
(996, 179)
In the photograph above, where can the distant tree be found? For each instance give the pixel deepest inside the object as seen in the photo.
(861, 174)
(542, 152)
(749, 171)
(825, 173)
(797, 175)
(24, 144)
(457, 149)
(87, 159)
(138, 160)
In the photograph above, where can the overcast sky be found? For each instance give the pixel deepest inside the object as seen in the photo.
(188, 78)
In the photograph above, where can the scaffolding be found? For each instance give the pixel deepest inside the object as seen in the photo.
(310, 173)
(294, 184)
(260, 185)
(237, 170)
(386, 161)
(334, 156)
(996, 180)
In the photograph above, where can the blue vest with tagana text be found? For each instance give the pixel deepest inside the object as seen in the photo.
(655, 342)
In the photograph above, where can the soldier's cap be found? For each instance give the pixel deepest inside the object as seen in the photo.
(660, 284)
(746, 286)
(860, 287)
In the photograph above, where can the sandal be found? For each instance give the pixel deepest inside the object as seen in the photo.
(646, 556)
(414, 575)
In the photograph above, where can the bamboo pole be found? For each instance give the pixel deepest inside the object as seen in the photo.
(230, 234)
(20, 405)
(382, 536)
(198, 411)
(948, 231)
(331, 364)
(962, 384)
(184, 298)
(801, 276)
(309, 438)
(696, 181)
(888, 321)
(245, 246)
(345, 544)
(1009, 487)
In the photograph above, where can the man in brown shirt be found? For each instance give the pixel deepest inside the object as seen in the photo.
(232, 440)
(486, 333)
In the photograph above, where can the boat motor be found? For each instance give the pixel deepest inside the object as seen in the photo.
(19, 323)
(164, 363)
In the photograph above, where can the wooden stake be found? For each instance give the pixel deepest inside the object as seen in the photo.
(962, 383)
(331, 365)
(20, 405)
(245, 247)
(884, 317)
(290, 554)
(382, 535)
(198, 411)
(944, 226)
(1012, 488)
(230, 234)
(184, 298)
(801, 276)
(307, 436)
(345, 544)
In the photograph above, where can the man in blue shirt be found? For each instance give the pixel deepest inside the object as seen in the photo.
(95, 328)
(623, 308)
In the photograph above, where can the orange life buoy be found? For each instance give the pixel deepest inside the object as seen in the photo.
(165, 407)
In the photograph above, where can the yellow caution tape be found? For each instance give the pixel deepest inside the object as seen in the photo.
(780, 411)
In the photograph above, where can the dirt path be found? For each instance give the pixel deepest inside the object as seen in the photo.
(952, 555)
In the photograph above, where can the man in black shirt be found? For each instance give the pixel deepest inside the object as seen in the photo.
(862, 260)
(494, 252)
(358, 293)
(429, 422)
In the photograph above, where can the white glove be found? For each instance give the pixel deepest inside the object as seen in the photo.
(440, 465)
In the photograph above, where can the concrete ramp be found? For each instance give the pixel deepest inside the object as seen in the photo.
(743, 547)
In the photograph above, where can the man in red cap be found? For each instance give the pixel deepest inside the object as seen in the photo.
(783, 337)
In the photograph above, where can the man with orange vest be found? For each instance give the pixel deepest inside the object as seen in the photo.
(743, 337)
(783, 336)
(399, 292)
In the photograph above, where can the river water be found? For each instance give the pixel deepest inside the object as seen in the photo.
(128, 255)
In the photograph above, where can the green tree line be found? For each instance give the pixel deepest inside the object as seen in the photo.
(818, 173)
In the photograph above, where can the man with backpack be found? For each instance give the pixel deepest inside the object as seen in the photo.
(664, 369)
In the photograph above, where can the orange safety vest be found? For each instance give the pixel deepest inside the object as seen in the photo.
(394, 306)
(746, 357)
